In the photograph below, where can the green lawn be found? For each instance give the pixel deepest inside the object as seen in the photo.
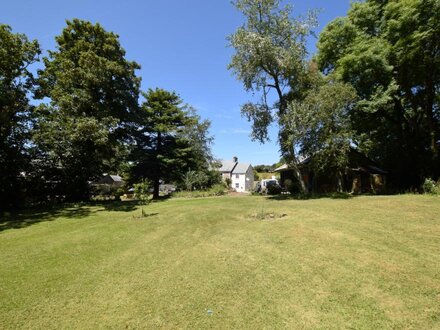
(365, 262)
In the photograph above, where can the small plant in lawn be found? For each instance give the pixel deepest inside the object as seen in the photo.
(142, 192)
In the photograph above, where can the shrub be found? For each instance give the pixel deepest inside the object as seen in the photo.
(189, 180)
(142, 191)
(216, 190)
(430, 186)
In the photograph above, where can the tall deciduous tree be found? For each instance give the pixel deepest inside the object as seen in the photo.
(93, 93)
(389, 51)
(270, 56)
(16, 54)
(320, 126)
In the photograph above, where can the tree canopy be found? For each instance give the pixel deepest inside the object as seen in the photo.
(270, 56)
(389, 52)
(170, 140)
(17, 53)
(93, 92)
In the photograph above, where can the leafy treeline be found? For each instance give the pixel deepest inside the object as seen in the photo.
(90, 120)
(373, 85)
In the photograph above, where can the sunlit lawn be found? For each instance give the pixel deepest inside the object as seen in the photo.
(365, 262)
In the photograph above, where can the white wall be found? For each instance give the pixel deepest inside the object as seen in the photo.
(238, 183)
(241, 180)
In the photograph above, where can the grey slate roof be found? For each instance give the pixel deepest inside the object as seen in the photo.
(116, 178)
(241, 168)
(227, 166)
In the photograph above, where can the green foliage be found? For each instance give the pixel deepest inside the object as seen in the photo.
(263, 168)
(319, 125)
(200, 180)
(142, 191)
(17, 53)
(189, 180)
(388, 51)
(216, 190)
(270, 57)
(93, 95)
(170, 140)
(270, 51)
(196, 132)
(431, 187)
(88, 75)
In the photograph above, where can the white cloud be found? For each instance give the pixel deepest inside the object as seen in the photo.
(241, 131)
(235, 131)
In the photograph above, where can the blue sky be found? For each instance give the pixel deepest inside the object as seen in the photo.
(181, 46)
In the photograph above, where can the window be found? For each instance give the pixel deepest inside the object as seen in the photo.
(237, 176)
(237, 185)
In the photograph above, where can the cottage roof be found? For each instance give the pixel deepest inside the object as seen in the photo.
(227, 166)
(302, 161)
(241, 168)
(357, 159)
(116, 178)
(283, 167)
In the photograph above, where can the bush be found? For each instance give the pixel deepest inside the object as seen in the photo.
(216, 190)
(430, 187)
(142, 191)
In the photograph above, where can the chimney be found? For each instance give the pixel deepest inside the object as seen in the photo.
(235, 159)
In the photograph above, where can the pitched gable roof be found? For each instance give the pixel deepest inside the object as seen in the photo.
(116, 178)
(227, 166)
(241, 168)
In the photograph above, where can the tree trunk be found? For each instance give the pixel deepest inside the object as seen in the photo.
(158, 169)
(156, 189)
(339, 187)
(302, 185)
(430, 115)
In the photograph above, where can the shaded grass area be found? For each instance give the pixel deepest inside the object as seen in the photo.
(364, 263)
(336, 195)
(21, 219)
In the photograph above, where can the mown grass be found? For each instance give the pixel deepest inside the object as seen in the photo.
(362, 263)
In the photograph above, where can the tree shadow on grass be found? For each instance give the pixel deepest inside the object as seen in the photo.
(25, 218)
(117, 206)
(28, 217)
(162, 198)
(310, 196)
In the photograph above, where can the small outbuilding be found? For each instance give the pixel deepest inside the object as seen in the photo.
(362, 175)
(113, 180)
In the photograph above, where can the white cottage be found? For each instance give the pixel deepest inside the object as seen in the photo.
(240, 174)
